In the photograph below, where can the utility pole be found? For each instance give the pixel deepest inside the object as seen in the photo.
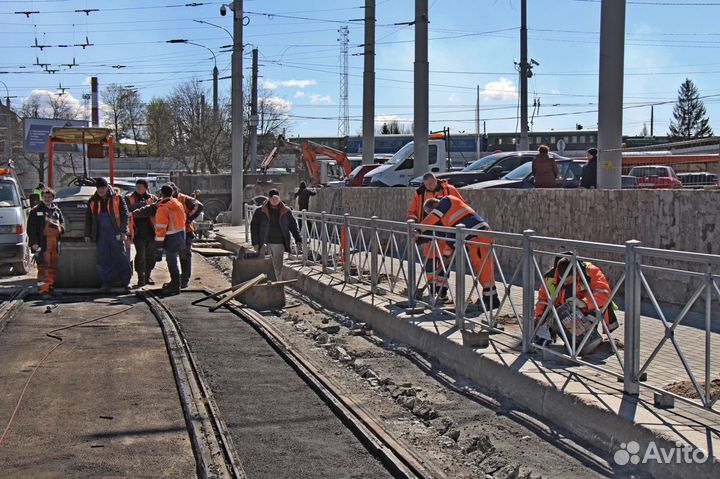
(524, 141)
(652, 120)
(95, 112)
(477, 124)
(612, 58)
(344, 115)
(237, 114)
(216, 110)
(421, 103)
(253, 110)
(368, 142)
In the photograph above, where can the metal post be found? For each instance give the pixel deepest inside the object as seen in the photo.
(305, 235)
(253, 110)
(8, 141)
(708, 335)
(237, 114)
(410, 256)
(374, 251)
(323, 240)
(610, 96)
(247, 223)
(528, 291)
(459, 277)
(524, 142)
(346, 246)
(421, 93)
(216, 110)
(477, 124)
(368, 126)
(95, 112)
(633, 291)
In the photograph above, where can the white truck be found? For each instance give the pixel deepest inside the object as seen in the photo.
(398, 171)
(14, 250)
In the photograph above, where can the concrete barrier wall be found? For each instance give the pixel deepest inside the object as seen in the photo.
(669, 219)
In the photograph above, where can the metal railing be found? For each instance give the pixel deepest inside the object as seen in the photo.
(430, 267)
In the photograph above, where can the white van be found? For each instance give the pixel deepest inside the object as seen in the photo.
(398, 170)
(14, 250)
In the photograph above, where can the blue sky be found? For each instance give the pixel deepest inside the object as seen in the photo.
(472, 43)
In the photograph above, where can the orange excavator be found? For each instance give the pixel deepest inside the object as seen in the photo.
(308, 152)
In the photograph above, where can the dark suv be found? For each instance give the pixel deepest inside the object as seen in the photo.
(487, 168)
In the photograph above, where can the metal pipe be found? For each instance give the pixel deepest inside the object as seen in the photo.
(459, 278)
(368, 125)
(528, 291)
(410, 256)
(633, 291)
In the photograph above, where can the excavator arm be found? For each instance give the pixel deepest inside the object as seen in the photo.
(280, 145)
(311, 150)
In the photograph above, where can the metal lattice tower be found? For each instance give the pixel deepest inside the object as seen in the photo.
(344, 113)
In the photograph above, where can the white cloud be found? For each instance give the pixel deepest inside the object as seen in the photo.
(278, 103)
(43, 96)
(268, 85)
(502, 89)
(316, 99)
(298, 83)
(380, 119)
(299, 94)
(87, 81)
(452, 98)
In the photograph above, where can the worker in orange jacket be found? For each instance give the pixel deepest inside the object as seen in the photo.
(600, 290)
(45, 226)
(451, 211)
(170, 235)
(142, 232)
(434, 255)
(193, 208)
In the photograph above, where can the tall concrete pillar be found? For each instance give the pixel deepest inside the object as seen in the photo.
(612, 63)
(237, 114)
(524, 143)
(253, 110)
(368, 126)
(422, 76)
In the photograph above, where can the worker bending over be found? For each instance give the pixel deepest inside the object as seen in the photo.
(434, 269)
(452, 211)
(581, 297)
(45, 226)
(106, 223)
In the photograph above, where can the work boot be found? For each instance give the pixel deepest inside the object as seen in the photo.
(142, 281)
(185, 284)
(170, 289)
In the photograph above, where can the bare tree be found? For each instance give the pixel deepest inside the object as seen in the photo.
(273, 120)
(132, 115)
(113, 98)
(61, 107)
(159, 126)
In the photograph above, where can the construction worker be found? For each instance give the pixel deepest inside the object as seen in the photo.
(106, 223)
(45, 226)
(434, 270)
(451, 211)
(142, 232)
(599, 290)
(36, 197)
(170, 233)
(192, 208)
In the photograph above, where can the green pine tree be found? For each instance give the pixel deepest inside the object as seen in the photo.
(689, 114)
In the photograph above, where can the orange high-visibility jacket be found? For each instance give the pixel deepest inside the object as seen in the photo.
(169, 218)
(596, 280)
(132, 201)
(415, 210)
(184, 200)
(452, 211)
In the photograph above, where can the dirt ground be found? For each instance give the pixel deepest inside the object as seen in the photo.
(465, 430)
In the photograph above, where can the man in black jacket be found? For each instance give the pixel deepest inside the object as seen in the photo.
(106, 223)
(45, 226)
(272, 225)
(142, 232)
(589, 172)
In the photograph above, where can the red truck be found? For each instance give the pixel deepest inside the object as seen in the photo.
(656, 176)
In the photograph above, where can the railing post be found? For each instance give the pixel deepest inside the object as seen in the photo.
(459, 277)
(410, 256)
(346, 245)
(323, 240)
(633, 292)
(528, 291)
(374, 249)
(305, 236)
(247, 223)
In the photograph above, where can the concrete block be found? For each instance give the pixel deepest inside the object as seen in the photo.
(663, 401)
(476, 339)
(264, 297)
(245, 269)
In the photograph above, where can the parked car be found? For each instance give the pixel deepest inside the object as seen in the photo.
(655, 176)
(355, 178)
(699, 179)
(489, 167)
(569, 175)
(14, 250)
(628, 182)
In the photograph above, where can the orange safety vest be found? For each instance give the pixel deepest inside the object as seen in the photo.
(115, 207)
(415, 210)
(131, 220)
(189, 225)
(169, 218)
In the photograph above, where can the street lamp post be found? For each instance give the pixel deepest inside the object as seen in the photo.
(237, 113)
(8, 142)
(216, 112)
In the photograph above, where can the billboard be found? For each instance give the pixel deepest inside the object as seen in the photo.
(37, 131)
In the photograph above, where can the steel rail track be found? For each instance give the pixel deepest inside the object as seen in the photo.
(213, 447)
(11, 305)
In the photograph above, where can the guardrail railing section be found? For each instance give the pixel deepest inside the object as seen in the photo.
(394, 249)
(576, 306)
(687, 339)
(434, 256)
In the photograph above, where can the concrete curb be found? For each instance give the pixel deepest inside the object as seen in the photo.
(593, 424)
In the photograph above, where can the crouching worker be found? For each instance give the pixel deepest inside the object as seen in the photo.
(272, 225)
(451, 211)
(45, 226)
(581, 298)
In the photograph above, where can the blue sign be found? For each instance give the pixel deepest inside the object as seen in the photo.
(37, 131)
